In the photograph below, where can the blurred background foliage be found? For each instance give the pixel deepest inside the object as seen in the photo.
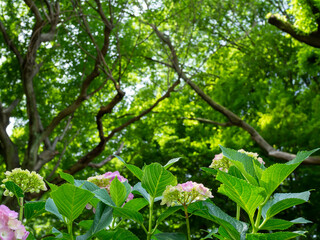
(227, 48)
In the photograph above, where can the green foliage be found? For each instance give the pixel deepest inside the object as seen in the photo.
(70, 200)
(102, 219)
(156, 178)
(34, 209)
(225, 47)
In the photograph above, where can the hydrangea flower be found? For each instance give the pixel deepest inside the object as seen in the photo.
(104, 181)
(10, 227)
(26, 180)
(253, 155)
(223, 163)
(220, 162)
(185, 193)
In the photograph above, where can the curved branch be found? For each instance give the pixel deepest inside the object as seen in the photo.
(108, 159)
(34, 9)
(312, 39)
(10, 44)
(203, 120)
(233, 118)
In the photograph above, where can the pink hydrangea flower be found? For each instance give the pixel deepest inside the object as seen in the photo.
(10, 227)
(112, 175)
(104, 181)
(185, 193)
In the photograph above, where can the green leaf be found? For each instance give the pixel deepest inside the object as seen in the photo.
(301, 156)
(136, 204)
(33, 209)
(14, 188)
(102, 219)
(171, 162)
(138, 189)
(273, 236)
(273, 176)
(282, 201)
(209, 170)
(235, 229)
(134, 169)
(103, 195)
(168, 212)
(276, 224)
(119, 234)
(156, 178)
(233, 171)
(86, 185)
(66, 176)
(170, 236)
(118, 192)
(243, 163)
(85, 224)
(128, 188)
(52, 186)
(52, 208)
(248, 196)
(300, 220)
(71, 200)
(213, 234)
(128, 214)
(280, 224)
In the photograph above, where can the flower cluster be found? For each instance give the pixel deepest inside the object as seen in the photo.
(253, 155)
(220, 162)
(26, 180)
(185, 193)
(104, 181)
(10, 227)
(223, 163)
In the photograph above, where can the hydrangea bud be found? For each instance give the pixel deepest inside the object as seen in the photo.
(10, 227)
(253, 155)
(185, 193)
(28, 181)
(220, 162)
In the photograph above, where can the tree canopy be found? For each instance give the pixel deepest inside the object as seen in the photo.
(152, 80)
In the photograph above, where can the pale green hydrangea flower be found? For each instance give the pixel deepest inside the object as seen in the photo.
(220, 162)
(253, 155)
(28, 181)
(185, 193)
(223, 163)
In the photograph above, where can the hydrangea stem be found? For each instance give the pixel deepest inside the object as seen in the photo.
(238, 212)
(187, 221)
(150, 219)
(21, 208)
(70, 230)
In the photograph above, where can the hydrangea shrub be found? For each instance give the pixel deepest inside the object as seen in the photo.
(244, 179)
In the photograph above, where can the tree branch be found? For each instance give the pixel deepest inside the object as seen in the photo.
(233, 118)
(108, 159)
(34, 10)
(10, 44)
(203, 120)
(8, 148)
(312, 39)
